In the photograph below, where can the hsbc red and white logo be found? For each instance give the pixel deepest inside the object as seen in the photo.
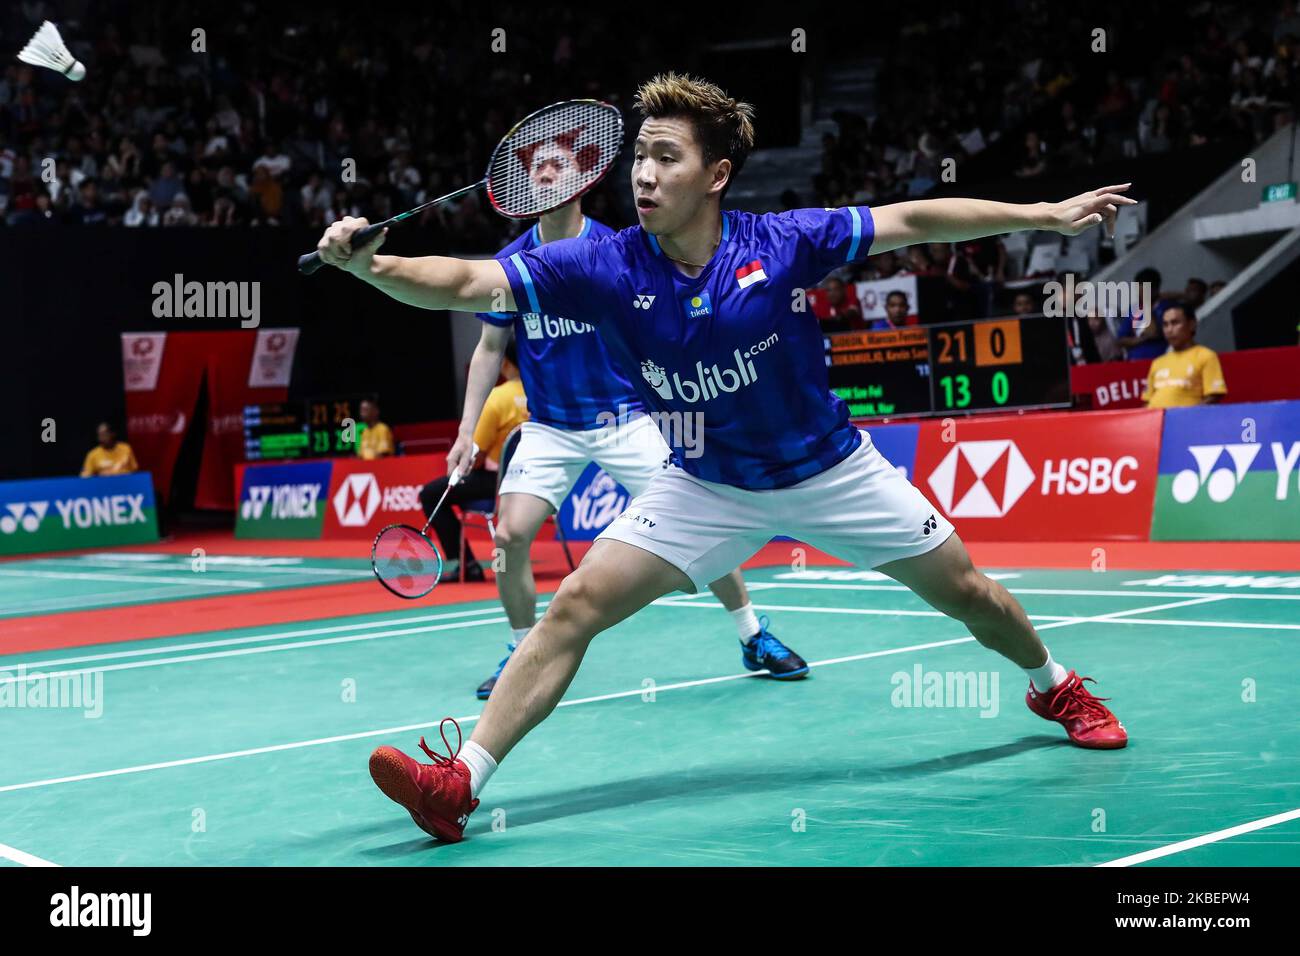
(357, 500)
(1025, 479)
(981, 479)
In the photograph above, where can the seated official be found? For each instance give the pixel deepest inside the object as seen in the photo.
(377, 438)
(1187, 374)
(110, 456)
(506, 409)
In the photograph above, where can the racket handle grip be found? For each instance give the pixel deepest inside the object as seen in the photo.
(310, 262)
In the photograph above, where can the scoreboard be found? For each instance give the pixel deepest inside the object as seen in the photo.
(307, 429)
(974, 366)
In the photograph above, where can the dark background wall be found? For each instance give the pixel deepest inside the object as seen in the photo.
(67, 293)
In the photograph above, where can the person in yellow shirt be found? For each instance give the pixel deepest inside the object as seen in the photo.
(376, 438)
(110, 456)
(505, 410)
(1187, 374)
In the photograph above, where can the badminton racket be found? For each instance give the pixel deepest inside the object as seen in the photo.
(404, 560)
(547, 160)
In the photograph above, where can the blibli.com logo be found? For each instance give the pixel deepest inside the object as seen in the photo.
(708, 382)
(546, 327)
(698, 306)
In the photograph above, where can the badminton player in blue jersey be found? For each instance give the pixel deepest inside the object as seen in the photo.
(582, 410)
(779, 455)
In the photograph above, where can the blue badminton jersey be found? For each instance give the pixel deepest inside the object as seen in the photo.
(568, 375)
(734, 346)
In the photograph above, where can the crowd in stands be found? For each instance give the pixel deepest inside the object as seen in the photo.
(289, 113)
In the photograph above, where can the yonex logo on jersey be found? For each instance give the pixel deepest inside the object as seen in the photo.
(643, 301)
(545, 327)
(697, 306)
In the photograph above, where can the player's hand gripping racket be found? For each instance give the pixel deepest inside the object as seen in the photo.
(404, 560)
(576, 141)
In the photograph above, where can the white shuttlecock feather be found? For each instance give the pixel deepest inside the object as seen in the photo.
(46, 49)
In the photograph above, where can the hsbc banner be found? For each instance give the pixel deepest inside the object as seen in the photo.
(1229, 474)
(57, 514)
(366, 496)
(1070, 477)
(596, 500)
(282, 500)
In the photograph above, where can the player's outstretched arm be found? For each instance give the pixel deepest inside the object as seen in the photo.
(955, 220)
(429, 282)
(484, 370)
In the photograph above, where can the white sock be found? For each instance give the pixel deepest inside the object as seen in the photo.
(517, 634)
(1050, 675)
(481, 766)
(746, 623)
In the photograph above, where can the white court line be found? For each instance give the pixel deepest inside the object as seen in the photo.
(257, 638)
(1214, 837)
(208, 758)
(1248, 625)
(21, 858)
(192, 579)
(1057, 592)
(187, 565)
(243, 652)
(99, 599)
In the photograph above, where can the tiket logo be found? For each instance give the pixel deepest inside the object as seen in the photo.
(357, 500)
(981, 479)
(643, 301)
(1219, 484)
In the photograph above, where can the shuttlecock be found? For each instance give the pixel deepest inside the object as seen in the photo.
(46, 49)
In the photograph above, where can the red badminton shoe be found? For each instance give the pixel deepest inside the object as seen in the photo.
(1085, 718)
(437, 795)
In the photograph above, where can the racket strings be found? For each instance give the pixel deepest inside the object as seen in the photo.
(406, 561)
(554, 156)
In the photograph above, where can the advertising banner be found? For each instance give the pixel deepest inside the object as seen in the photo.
(366, 496)
(596, 500)
(1229, 473)
(1067, 477)
(57, 514)
(282, 501)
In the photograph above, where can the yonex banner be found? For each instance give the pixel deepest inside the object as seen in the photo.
(1066, 477)
(365, 496)
(283, 500)
(56, 514)
(1229, 473)
(596, 500)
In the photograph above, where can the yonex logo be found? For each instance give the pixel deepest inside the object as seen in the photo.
(643, 301)
(357, 500)
(287, 501)
(981, 479)
(258, 496)
(1219, 483)
(929, 525)
(23, 514)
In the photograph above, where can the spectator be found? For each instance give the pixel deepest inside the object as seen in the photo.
(1108, 348)
(1195, 293)
(896, 312)
(179, 212)
(141, 212)
(376, 438)
(88, 211)
(166, 186)
(840, 311)
(1141, 339)
(110, 456)
(1188, 374)
(1024, 304)
(1216, 287)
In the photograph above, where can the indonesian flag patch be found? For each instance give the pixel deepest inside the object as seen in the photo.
(748, 275)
